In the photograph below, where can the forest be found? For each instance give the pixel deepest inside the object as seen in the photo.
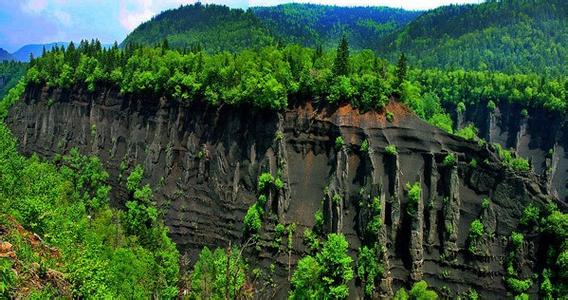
(516, 36)
(271, 77)
(437, 63)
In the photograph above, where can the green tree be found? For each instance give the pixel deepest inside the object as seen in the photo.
(341, 64)
(326, 275)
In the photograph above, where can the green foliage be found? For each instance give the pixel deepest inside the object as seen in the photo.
(326, 275)
(391, 150)
(414, 194)
(472, 294)
(339, 142)
(443, 121)
(518, 286)
(517, 239)
(469, 132)
(218, 274)
(491, 105)
(473, 163)
(264, 181)
(476, 232)
(68, 207)
(336, 198)
(485, 203)
(11, 72)
(89, 180)
(365, 146)
(524, 113)
(530, 215)
(311, 240)
(319, 220)
(7, 277)
(460, 108)
(489, 36)
(476, 229)
(253, 219)
(341, 64)
(515, 163)
(325, 25)
(389, 116)
(214, 27)
(420, 291)
(375, 222)
(401, 294)
(11, 97)
(369, 270)
(449, 160)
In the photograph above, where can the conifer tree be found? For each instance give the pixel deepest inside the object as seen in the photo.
(341, 65)
(401, 69)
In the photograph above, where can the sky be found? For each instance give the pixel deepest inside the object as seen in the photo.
(43, 21)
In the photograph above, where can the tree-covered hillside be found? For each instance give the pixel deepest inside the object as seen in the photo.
(511, 36)
(315, 25)
(10, 73)
(213, 27)
(217, 27)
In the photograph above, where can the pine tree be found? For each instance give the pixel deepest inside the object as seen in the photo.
(401, 69)
(341, 65)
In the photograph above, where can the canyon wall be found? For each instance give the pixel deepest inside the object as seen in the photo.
(203, 163)
(540, 136)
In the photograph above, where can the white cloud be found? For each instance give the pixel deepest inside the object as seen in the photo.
(33, 6)
(63, 18)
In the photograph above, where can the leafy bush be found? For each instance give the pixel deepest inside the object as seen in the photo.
(389, 116)
(98, 253)
(339, 142)
(253, 220)
(530, 215)
(217, 273)
(491, 105)
(420, 291)
(469, 132)
(476, 229)
(443, 121)
(516, 163)
(369, 270)
(365, 146)
(264, 180)
(449, 160)
(326, 274)
(414, 193)
(376, 222)
(391, 150)
(518, 286)
(485, 203)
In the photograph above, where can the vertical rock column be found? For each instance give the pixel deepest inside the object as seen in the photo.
(432, 205)
(416, 241)
(394, 188)
(452, 213)
(283, 200)
(336, 193)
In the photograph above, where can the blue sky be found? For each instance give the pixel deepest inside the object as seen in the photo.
(43, 21)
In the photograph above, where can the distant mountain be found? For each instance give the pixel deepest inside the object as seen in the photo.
(23, 54)
(220, 28)
(4, 55)
(215, 27)
(511, 36)
(313, 25)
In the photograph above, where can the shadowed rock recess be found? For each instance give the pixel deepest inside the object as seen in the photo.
(204, 161)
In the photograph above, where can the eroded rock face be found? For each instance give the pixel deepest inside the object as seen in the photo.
(540, 136)
(204, 161)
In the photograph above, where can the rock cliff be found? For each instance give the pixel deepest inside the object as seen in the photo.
(204, 161)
